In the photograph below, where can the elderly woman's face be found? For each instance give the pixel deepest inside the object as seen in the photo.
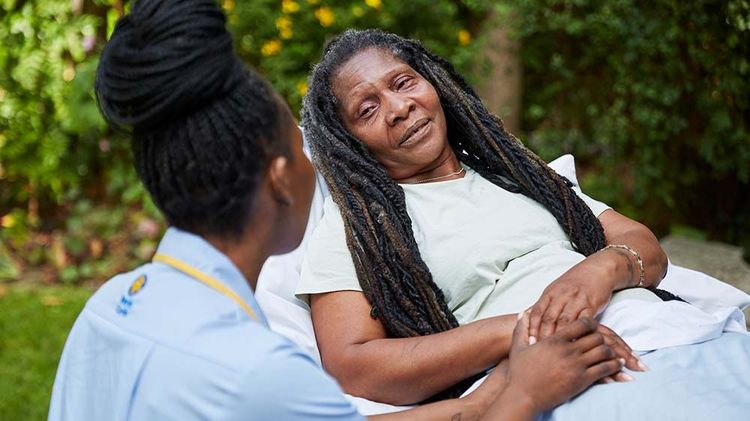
(394, 111)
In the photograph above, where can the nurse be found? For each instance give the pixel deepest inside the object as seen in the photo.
(182, 337)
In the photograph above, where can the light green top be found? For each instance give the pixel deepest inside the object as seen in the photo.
(491, 252)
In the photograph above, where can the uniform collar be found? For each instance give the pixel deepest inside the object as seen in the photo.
(193, 250)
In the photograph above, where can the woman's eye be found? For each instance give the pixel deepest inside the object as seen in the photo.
(366, 111)
(402, 83)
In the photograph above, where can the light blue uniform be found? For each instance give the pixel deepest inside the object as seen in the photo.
(156, 343)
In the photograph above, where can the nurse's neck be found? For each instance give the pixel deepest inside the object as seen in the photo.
(247, 256)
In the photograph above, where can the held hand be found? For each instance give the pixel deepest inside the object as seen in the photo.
(559, 367)
(583, 291)
(623, 351)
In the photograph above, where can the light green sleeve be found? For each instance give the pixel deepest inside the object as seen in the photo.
(327, 265)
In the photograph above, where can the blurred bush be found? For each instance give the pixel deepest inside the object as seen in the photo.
(71, 207)
(57, 156)
(653, 98)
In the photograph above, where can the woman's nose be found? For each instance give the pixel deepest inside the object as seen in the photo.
(399, 107)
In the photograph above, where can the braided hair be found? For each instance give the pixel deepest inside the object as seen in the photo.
(203, 126)
(390, 269)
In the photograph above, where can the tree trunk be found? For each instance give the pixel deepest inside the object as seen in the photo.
(500, 85)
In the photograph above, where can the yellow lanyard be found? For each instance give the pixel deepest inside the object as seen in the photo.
(208, 280)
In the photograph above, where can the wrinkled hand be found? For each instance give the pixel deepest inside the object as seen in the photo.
(569, 297)
(561, 366)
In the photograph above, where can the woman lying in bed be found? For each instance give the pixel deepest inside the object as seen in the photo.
(443, 226)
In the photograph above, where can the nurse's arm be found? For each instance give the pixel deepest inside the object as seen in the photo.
(471, 407)
(355, 349)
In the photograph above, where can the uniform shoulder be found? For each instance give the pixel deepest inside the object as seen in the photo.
(169, 308)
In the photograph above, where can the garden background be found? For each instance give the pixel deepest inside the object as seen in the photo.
(652, 97)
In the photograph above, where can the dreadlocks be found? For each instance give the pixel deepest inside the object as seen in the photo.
(391, 272)
(202, 124)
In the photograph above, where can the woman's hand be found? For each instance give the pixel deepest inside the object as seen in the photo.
(586, 288)
(582, 291)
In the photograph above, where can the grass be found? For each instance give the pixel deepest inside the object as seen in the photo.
(34, 323)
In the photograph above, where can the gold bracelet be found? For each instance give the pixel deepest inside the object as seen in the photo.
(638, 259)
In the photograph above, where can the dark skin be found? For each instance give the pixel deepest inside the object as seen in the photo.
(592, 359)
(397, 114)
(534, 379)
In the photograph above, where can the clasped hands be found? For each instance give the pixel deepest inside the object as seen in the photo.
(581, 292)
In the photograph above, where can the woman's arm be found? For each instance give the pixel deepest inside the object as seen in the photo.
(535, 378)
(619, 229)
(355, 349)
(586, 288)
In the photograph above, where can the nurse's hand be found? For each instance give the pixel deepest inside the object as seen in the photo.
(542, 375)
(623, 351)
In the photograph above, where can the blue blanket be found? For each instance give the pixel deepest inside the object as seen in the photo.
(704, 381)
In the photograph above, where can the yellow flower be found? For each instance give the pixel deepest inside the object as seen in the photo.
(7, 221)
(325, 16)
(302, 87)
(358, 11)
(283, 23)
(228, 5)
(375, 4)
(464, 37)
(289, 6)
(271, 48)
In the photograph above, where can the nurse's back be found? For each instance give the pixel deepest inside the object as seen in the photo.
(217, 149)
(156, 343)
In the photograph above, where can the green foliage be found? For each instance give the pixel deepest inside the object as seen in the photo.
(283, 39)
(654, 96)
(33, 329)
(651, 97)
(49, 123)
(67, 180)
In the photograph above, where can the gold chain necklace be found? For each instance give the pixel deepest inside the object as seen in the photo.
(440, 177)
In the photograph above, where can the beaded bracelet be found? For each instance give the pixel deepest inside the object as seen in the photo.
(637, 258)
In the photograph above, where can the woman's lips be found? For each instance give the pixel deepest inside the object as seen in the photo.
(415, 132)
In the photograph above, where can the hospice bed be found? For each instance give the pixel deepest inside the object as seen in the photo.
(700, 371)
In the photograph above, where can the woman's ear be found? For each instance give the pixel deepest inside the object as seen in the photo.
(279, 176)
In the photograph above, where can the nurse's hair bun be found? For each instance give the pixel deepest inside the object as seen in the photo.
(164, 60)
